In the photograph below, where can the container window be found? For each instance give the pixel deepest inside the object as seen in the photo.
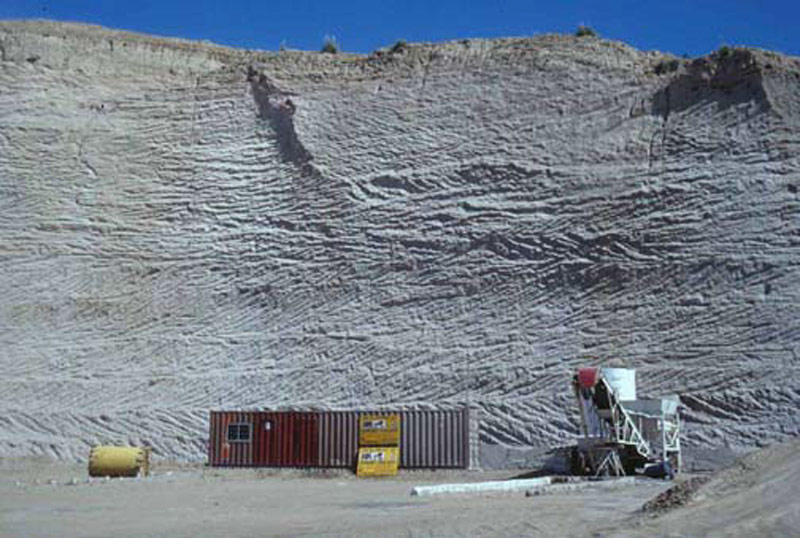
(238, 433)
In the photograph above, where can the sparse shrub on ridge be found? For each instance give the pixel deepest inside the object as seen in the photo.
(667, 66)
(585, 31)
(399, 46)
(724, 51)
(330, 45)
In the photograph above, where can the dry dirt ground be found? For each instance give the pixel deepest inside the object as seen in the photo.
(756, 496)
(243, 503)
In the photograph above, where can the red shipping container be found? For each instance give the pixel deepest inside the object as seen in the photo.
(428, 439)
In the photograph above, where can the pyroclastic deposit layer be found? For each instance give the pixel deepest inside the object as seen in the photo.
(186, 227)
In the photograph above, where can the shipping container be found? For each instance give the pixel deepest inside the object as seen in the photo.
(428, 439)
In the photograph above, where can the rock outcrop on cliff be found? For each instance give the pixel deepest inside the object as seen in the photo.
(186, 227)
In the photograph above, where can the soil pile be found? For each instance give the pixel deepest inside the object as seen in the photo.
(757, 496)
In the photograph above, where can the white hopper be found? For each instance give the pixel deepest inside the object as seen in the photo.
(622, 381)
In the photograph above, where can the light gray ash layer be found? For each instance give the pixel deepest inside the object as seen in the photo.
(186, 227)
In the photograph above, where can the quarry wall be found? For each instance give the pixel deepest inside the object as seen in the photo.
(186, 227)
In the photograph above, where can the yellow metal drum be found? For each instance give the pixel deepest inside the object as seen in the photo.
(119, 461)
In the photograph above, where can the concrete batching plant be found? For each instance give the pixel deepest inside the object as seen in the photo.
(621, 434)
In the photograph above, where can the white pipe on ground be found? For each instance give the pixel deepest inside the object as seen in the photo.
(481, 487)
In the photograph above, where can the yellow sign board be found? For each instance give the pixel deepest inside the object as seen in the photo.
(379, 430)
(378, 461)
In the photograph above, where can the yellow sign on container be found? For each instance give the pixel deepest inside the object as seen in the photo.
(378, 461)
(379, 430)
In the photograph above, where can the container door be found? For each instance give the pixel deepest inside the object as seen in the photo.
(266, 439)
(286, 439)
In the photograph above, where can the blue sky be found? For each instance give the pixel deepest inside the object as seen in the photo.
(678, 26)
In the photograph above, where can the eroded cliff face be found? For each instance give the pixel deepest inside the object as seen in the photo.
(186, 227)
